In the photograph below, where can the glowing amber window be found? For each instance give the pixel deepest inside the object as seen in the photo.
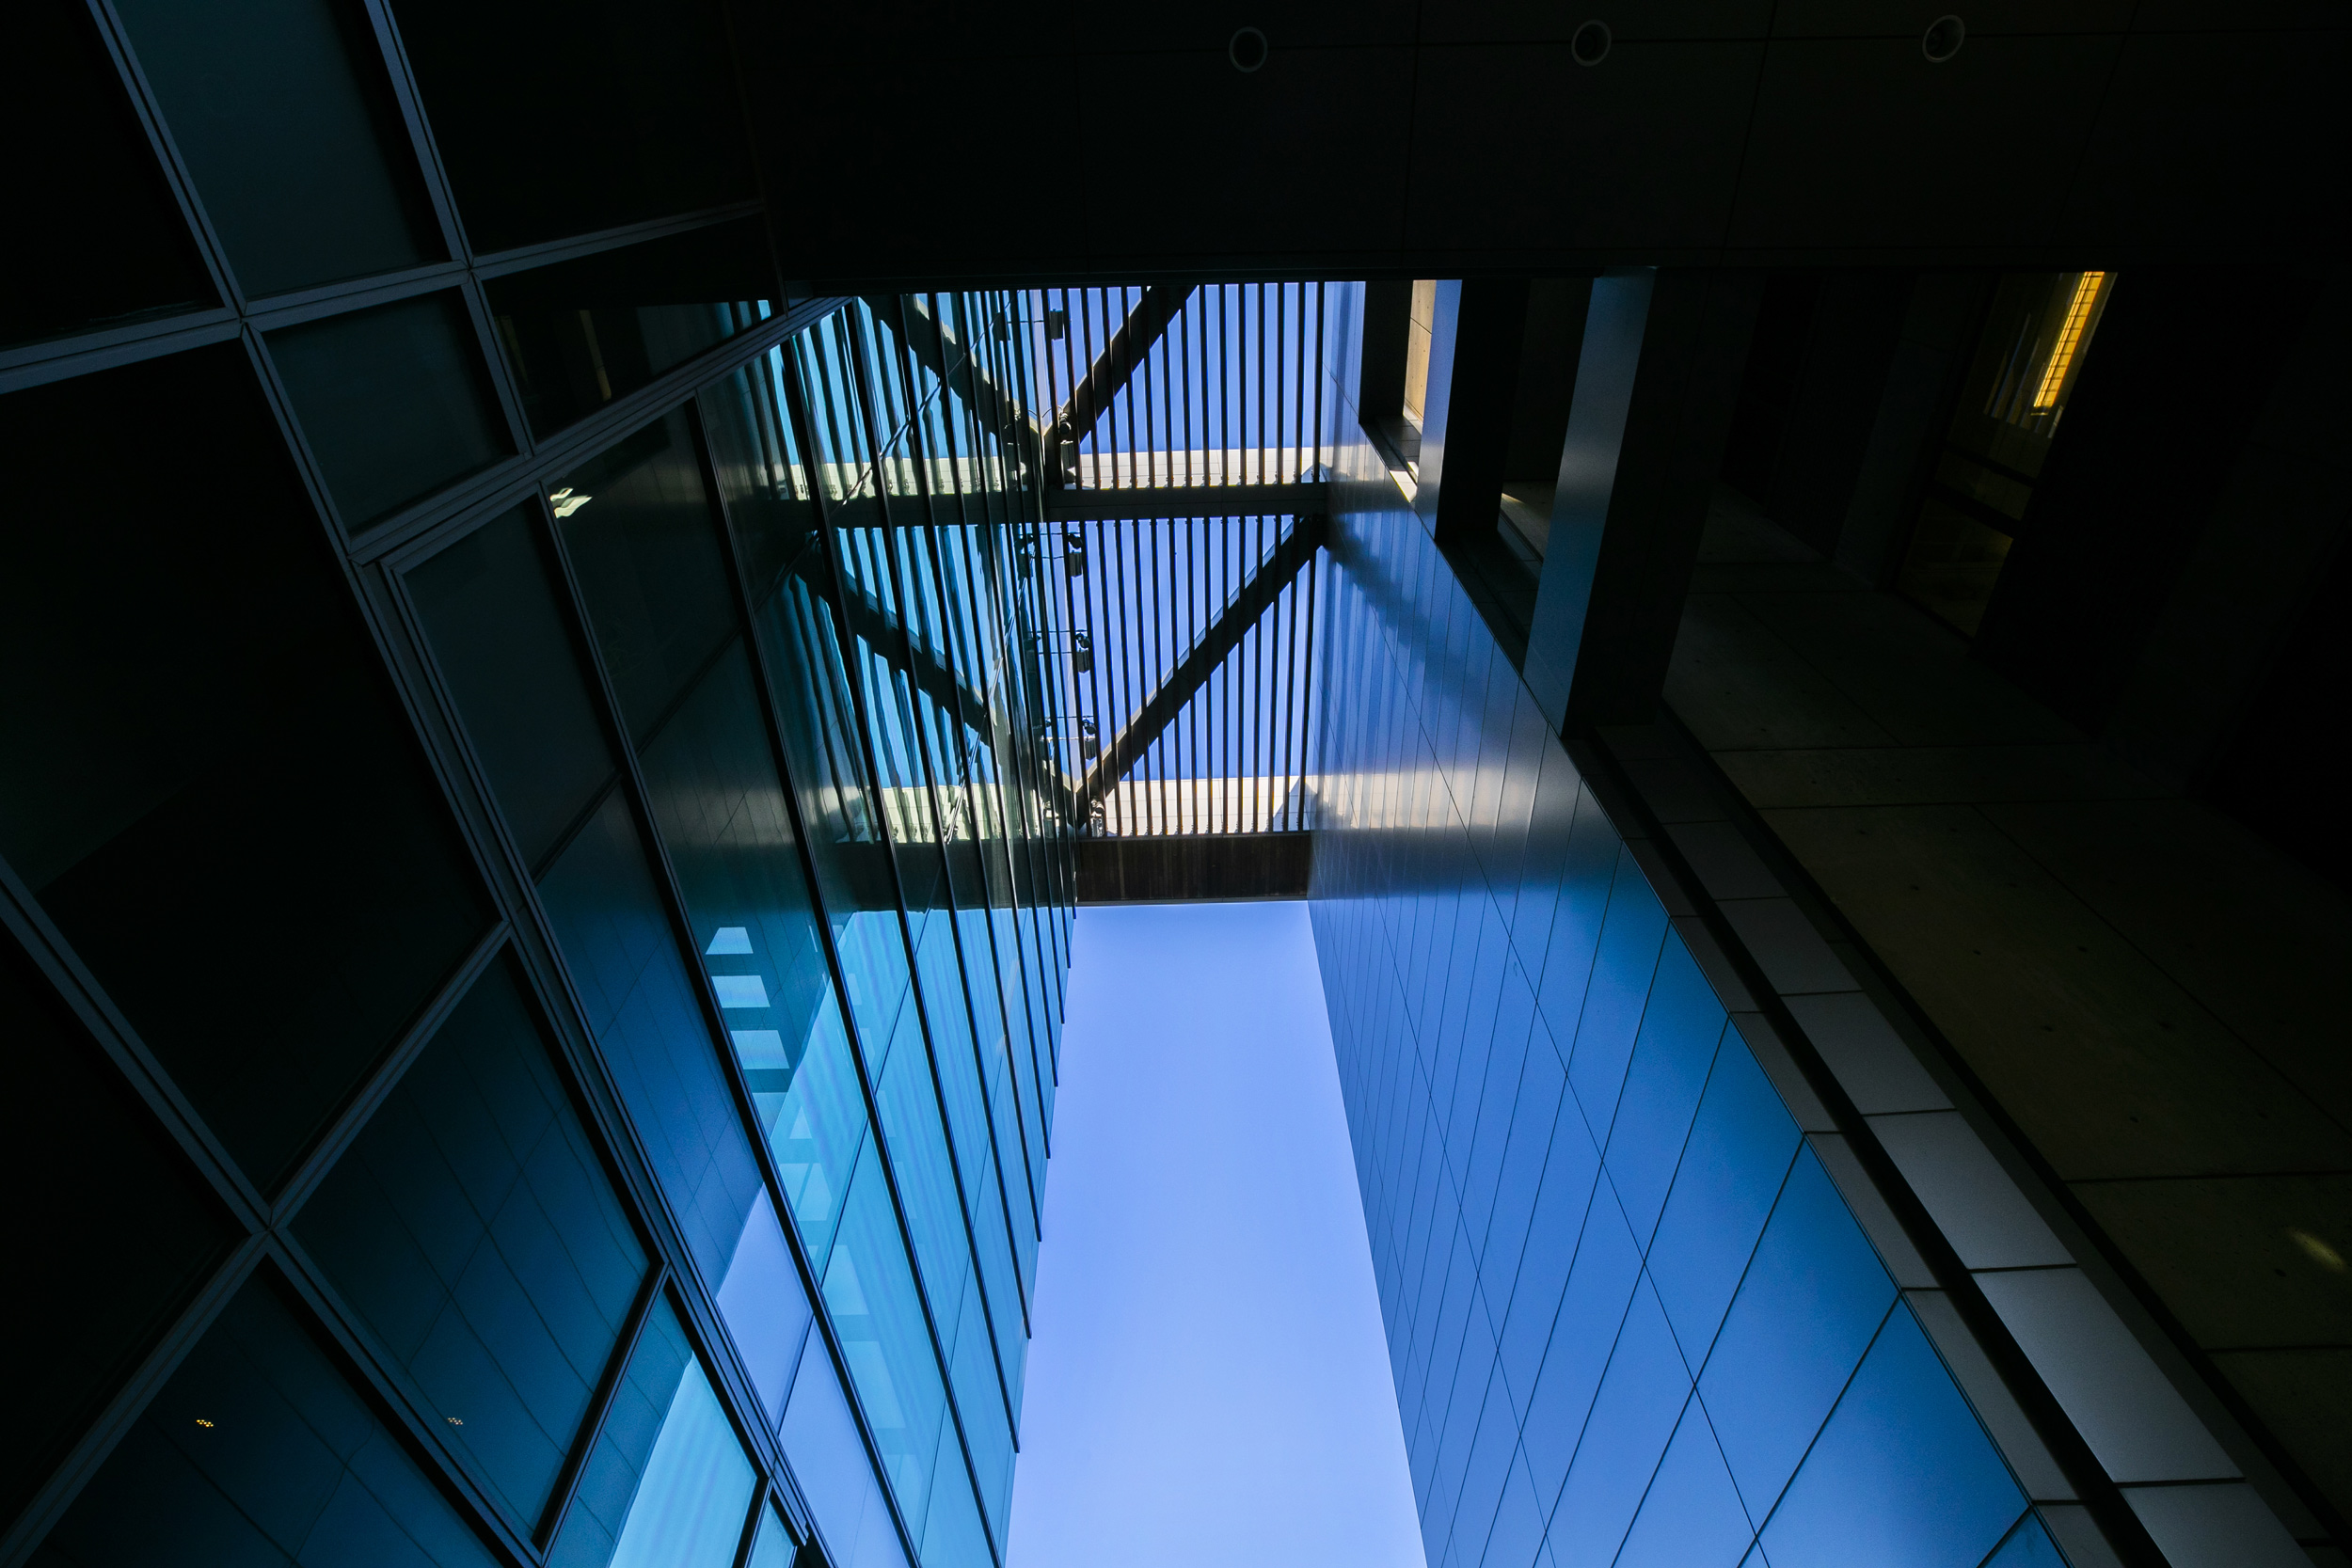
(2070, 339)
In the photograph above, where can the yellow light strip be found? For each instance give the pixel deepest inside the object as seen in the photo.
(2070, 340)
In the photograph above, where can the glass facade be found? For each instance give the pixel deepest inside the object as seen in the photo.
(543, 771)
(1630, 1317)
(532, 886)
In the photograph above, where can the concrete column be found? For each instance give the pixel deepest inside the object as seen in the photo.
(1657, 376)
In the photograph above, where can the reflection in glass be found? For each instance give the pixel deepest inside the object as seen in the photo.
(395, 401)
(580, 333)
(2029, 358)
(668, 1484)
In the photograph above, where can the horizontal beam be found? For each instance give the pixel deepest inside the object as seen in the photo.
(1194, 868)
(1186, 500)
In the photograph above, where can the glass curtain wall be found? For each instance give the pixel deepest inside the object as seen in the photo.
(642, 1161)
(814, 747)
(1630, 1317)
(535, 911)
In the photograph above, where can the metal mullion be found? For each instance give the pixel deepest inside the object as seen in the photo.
(1323, 304)
(394, 1391)
(1306, 693)
(74, 984)
(1162, 633)
(500, 263)
(929, 743)
(752, 1523)
(385, 1077)
(63, 359)
(1265, 351)
(1145, 538)
(980, 841)
(115, 40)
(502, 383)
(612, 1133)
(1287, 606)
(1055, 718)
(680, 920)
(836, 969)
(401, 78)
(1131, 660)
(445, 515)
(1079, 438)
(422, 144)
(1110, 664)
(1156, 408)
(314, 477)
(1245, 658)
(860, 372)
(89, 1452)
(1128, 365)
(1286, 398)
(1196, 567)
(1073, 593)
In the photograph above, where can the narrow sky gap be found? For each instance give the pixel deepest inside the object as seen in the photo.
(1208, 1379)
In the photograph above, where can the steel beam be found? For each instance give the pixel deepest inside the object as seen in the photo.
(1121, 356)
(1223, 634)
(1172, 501)
(997, 408)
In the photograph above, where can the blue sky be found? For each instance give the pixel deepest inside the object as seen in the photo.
(1208, 1378)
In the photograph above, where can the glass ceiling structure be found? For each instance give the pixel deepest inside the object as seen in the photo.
(1185, 441)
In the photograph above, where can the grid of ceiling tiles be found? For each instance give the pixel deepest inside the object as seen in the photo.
(1187, 629)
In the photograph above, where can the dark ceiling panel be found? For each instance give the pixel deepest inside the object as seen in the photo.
(2204, 147)
(1517, 146)
(1861, 143)
(1548, 21)
(1159, 141)
(1910, 18)
(1287, 25)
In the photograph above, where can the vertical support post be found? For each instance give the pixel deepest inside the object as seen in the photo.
(1658, 378)
(1466, 416)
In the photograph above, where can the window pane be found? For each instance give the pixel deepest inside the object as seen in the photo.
(394, 402)
(1903, 1475)
(596, 880)
(475, 1230)
(633, 116)
(667, 1484)
(257, 1451)
(828, 1456)
(211, 787)
(617, 942)
(282, 113)
(1813, 1296)
(761, 477)
(113, 248)
(645, 545)
(113, 1221)
(490, 607)
(584, 332)
(774, 1548)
